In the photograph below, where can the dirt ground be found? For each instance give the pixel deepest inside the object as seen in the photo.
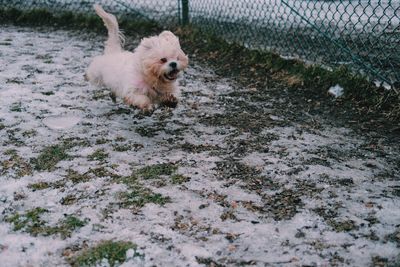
(233, 176)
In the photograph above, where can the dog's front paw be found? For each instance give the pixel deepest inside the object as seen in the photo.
(147, 110)
(140, 101)
(169, 101)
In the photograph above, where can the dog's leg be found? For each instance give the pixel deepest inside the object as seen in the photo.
(139, 100)
(115, 37)
(113, 97)
(93, 76)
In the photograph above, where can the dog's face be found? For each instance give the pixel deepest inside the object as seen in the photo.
(162, 58)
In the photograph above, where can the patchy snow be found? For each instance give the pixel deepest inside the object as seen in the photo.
(273, 193)
(336, 91)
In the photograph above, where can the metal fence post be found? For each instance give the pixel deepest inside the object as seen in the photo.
(185, 12)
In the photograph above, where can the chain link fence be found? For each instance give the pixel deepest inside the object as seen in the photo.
(361, 34)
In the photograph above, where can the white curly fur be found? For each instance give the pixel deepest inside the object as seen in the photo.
(142, 78)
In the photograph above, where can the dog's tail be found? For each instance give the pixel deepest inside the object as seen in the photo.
(115, 37)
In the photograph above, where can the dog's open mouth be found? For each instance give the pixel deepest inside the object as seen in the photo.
(172, 75)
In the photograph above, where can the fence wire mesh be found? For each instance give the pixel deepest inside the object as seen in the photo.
(361, 34)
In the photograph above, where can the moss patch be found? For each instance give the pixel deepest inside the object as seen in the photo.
(114, 252)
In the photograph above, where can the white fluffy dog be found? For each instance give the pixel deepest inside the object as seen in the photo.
(143, 78)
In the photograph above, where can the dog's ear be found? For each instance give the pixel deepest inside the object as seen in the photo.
(184, 59)
(148, 43)
(170, 37)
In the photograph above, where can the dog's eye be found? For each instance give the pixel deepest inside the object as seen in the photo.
(163, 60)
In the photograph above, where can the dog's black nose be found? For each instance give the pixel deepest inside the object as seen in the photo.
(173, 65)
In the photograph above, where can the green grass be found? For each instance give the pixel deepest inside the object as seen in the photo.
(69, 199)
(71, 223)
(121, 148)
(179, 179)
(32, 223)
(29, 133)
(103, 172)
(113, 251)
(71, 142)
(39, 186)
(49, 157)
(127, 147)
(102, 141)
(99, 155)
(69, 19)
(15, 164)
(138, 196)
(65, 227)
(155, 171)
(48, 93)
(147, 131)
(129, 180)
(16, 107)
(76, 177)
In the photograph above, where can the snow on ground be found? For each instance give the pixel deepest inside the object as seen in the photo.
(218, 180)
